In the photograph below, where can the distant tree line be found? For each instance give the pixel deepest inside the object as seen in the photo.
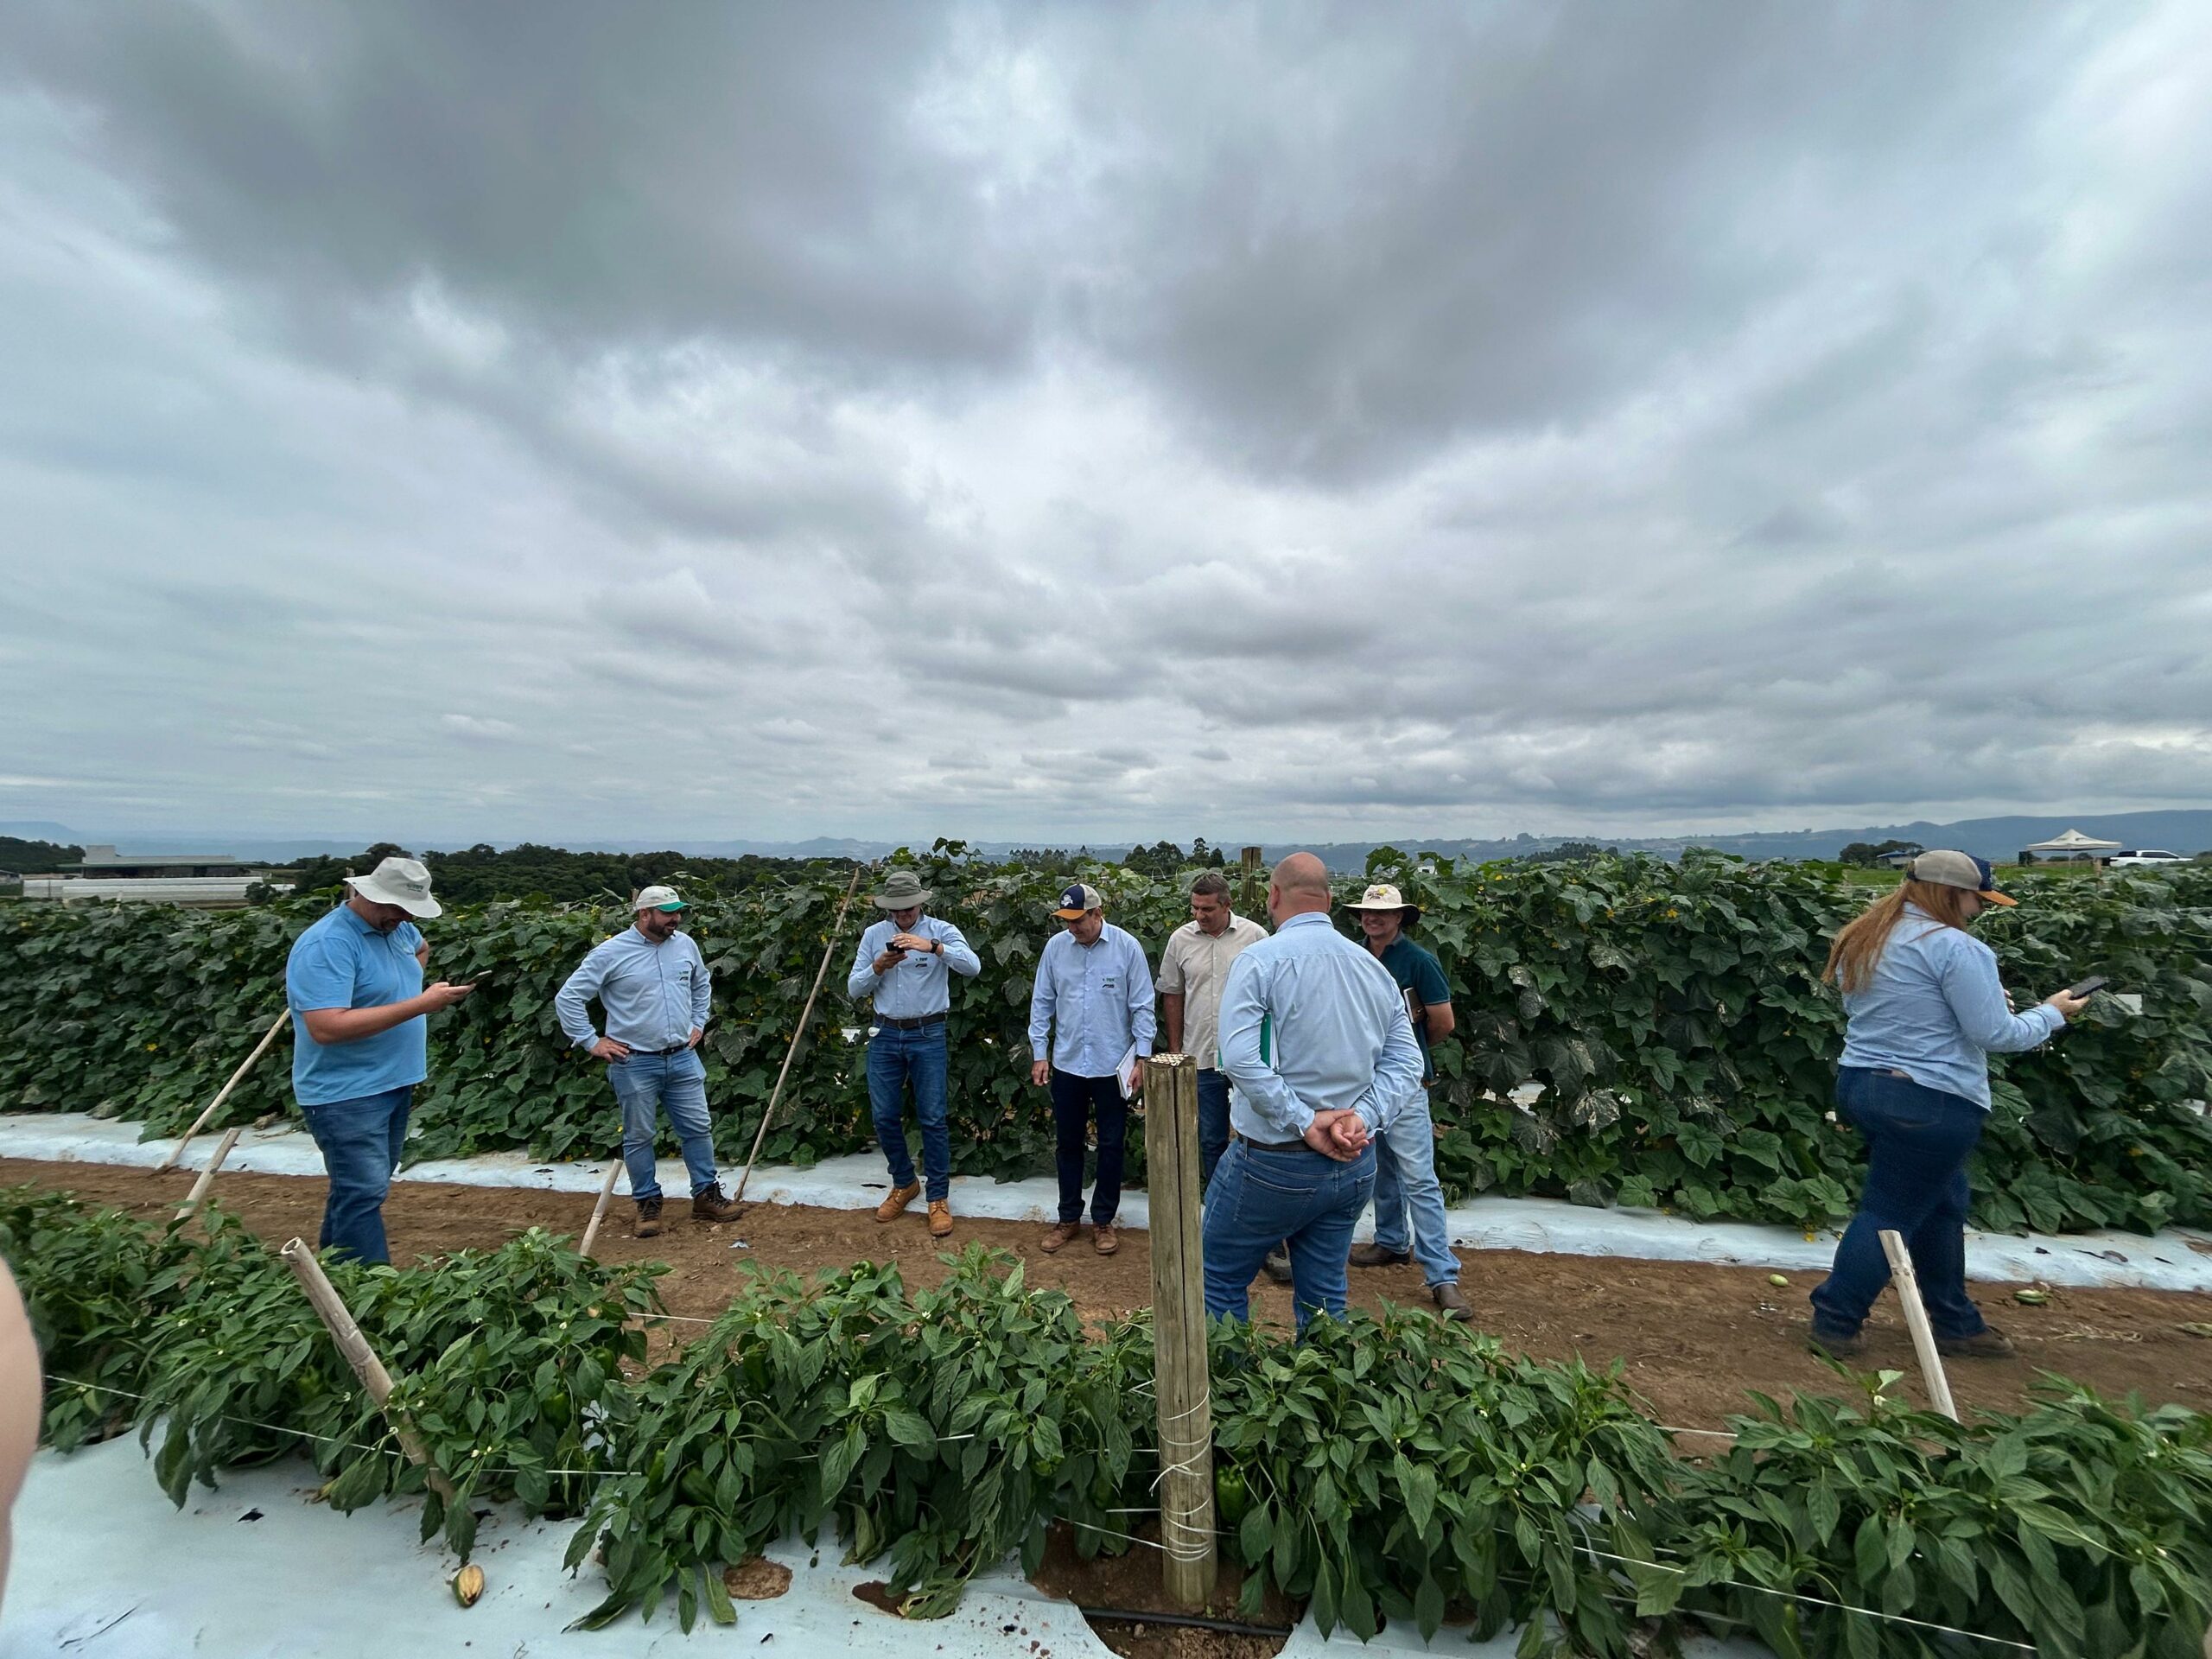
(1866, 852)
(36, 857)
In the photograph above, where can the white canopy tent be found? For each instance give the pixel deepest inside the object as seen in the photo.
(2072, 844)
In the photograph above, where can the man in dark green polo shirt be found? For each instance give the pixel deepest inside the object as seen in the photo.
(1405, 1175)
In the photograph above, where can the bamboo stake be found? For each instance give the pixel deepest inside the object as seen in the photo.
(208, 1175)
(244, 1066)
(1179, 1330)
(599, 1210)
(355, 1346)
(1915, 1319)
(790, 1053)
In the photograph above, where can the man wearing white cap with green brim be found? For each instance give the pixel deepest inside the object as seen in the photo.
(361, 1041)
(652, 983)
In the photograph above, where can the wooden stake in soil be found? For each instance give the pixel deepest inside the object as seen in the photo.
(1251, 893)
(1178, 1329)
(355, 1346)
(214, 1105)
(835, 928)
(599, 1210)
(208, 1175)
(1915, 1319)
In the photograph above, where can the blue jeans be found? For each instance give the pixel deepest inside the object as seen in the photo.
(896, 1058)
(1405, 1176)
(1918, 1140)
(1262, 1197)
(1213, 1121)
(646, 1083)
(360, 1139)
(1074, 1100)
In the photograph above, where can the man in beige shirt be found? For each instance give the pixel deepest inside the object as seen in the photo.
(1192, 969)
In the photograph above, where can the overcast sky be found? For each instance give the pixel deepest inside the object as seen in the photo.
(472, 421)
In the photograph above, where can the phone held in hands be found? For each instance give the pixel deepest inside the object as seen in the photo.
(2093, 983)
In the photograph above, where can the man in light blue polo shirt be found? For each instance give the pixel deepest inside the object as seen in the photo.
(1321, 1055)
(360, 1041)
(1093, 993)
(905, 962)
(652, 983)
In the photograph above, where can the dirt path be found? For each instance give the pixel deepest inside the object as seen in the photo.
(1693, 1338)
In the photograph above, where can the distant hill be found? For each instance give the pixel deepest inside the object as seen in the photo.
(2180, 830)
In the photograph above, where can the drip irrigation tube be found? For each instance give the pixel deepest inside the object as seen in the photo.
(1188, 1621)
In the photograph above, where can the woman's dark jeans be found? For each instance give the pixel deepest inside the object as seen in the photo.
(1917, 1142)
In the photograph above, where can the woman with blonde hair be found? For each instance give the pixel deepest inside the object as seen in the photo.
(1925, 1012)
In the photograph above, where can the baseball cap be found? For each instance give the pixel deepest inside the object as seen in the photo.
(656, 899)
(1949, 869)
(401, 881)
(1076, 899)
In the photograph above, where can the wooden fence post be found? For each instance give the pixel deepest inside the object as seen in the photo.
(1916, 1320)
(1250, 891)
(1180, 1374)
(355, 1346)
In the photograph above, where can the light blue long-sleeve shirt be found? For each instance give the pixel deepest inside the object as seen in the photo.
(1312, 1022)
(1095, 999)
(1935, 1010)
(655, 994)
(922, 983)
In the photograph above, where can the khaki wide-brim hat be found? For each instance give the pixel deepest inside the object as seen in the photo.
(1383, 896)
(902, 890)
(401, 881)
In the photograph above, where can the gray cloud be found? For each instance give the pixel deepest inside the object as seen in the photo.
(1068, 423)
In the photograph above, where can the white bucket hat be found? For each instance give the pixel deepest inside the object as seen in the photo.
(1383, 896)
(401, 881)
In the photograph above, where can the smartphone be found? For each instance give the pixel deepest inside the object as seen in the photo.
(2093, 983)
(474, 979)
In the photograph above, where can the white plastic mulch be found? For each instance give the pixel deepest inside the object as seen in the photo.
(105, 1569)
(2178, 1259)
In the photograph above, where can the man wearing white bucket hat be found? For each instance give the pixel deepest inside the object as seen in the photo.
(360, 1041)
(1405, 1173)
(652, 983)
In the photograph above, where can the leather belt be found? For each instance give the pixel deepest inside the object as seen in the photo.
(915, 1024)
(1269, 1146)
(655, 1054)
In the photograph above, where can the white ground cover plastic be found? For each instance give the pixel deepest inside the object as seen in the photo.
(2178, 1259)
(105, 1569)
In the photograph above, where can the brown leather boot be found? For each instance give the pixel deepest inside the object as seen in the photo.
(648, 1218)
(1989, 1343)
(1450, 1304)
(897, 1200)
(940, 1218)
(1373, 1256)
(1063, 1232)
(1104, 1239)
(713, 1205)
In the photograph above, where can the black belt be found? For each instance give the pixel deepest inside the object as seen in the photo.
(915, 1024)
(655, 1054)
(1269, 1146)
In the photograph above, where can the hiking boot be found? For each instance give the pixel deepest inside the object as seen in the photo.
(897, 1200)
(1373, 1256)
(712, 1205)
(1104, 1239)
(940, 1218)
(1450, 1304)
(1989, 1343)
(1834, 1344)
(648, 1218)
(1063, 1233)
(1277, 1265)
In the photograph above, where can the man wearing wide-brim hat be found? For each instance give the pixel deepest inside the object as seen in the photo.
(360, 1041)
(1405, 1172)
(652, 983)
(905, 962)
